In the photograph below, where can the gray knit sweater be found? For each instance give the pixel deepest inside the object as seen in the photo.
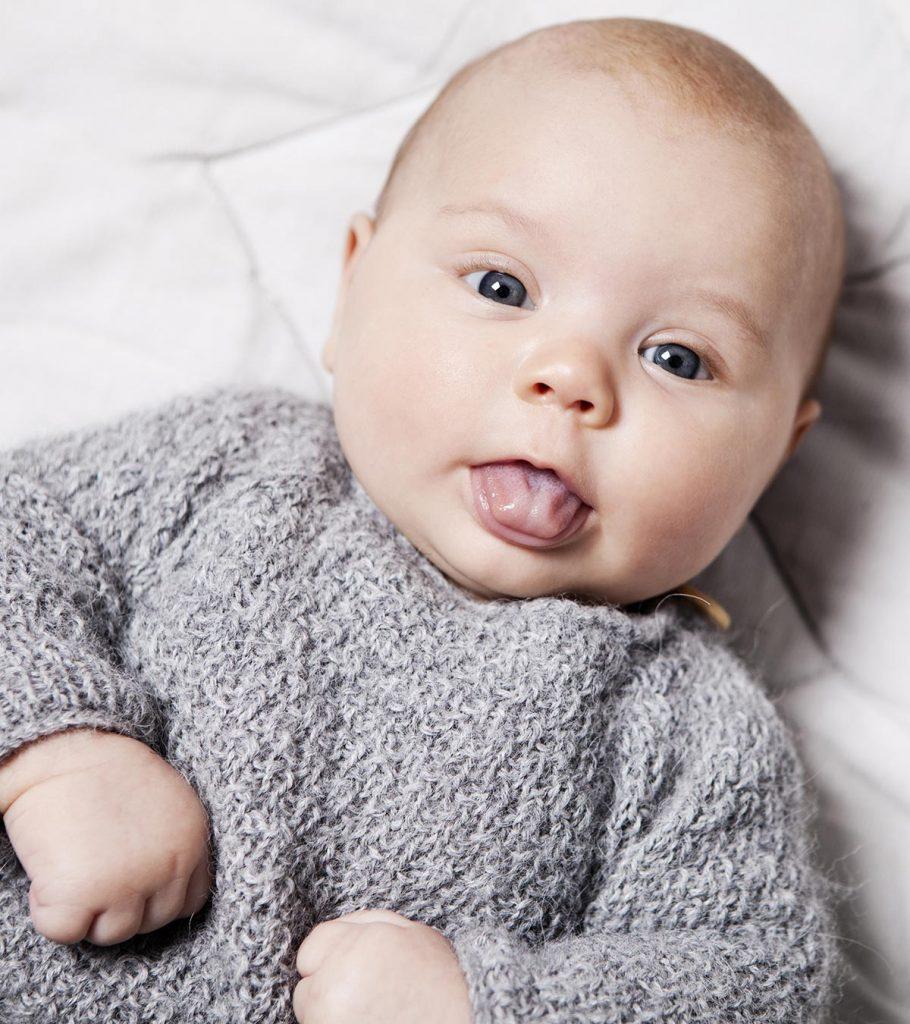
(599, 807)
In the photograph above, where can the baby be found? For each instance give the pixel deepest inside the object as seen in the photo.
(379, 697)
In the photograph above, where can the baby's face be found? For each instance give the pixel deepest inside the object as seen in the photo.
(584, 331)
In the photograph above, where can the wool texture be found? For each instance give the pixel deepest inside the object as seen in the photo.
(601, 810)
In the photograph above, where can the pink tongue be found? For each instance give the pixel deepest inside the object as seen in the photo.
(534, 501)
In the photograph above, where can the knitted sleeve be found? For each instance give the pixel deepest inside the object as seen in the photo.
(82, 518)
(705, 907)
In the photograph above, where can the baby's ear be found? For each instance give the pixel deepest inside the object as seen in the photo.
(357, 237)
(808, 412)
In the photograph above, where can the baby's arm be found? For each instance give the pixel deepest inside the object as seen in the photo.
(705, 905)
(65, 526)
(83, 516)
(83, 519)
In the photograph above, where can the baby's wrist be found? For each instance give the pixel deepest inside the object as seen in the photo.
(48, 755)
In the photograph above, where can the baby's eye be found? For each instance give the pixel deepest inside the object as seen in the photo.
(500, 287)
(679, 360)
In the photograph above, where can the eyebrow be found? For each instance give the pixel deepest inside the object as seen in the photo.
(513, 218)
(728, 305)
(739, 312)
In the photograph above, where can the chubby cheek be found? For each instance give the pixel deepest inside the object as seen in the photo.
(400, 384)
(688, 501)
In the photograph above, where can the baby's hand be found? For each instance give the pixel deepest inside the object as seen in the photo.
(113, 838)
(379, 966)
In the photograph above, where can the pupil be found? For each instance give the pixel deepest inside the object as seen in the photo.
(496, 284)
(678, 357)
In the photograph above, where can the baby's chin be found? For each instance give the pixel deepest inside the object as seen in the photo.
(627, 595)
(509, 584)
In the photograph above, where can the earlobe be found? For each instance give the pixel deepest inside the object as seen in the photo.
(808, 413)
(328, 354)
(359, 232)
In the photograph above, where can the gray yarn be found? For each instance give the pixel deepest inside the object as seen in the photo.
(599, 808)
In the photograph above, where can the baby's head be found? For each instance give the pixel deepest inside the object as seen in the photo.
(611, 248)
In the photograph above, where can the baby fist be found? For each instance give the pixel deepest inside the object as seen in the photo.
(381, 967)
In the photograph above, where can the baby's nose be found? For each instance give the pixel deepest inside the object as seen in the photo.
(574, 383)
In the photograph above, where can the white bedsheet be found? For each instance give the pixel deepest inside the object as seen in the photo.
(175, 182)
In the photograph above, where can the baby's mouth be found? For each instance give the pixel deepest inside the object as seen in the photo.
(520, 503)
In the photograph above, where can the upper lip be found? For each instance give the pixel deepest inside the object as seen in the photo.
(569, 479)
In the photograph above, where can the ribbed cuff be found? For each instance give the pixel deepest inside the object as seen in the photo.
(497, 969)
(50, 692)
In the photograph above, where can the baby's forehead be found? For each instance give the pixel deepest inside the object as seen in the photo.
(647, 61)
(608, 156)
(714, 94)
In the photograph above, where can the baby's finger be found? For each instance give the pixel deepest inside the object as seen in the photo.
(117, 924)
(198, 889)
(60, 922)
(301, 1002)
(163, 906)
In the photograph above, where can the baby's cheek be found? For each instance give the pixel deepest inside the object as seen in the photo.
(688, 509)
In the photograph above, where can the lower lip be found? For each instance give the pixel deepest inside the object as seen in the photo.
(487, 520)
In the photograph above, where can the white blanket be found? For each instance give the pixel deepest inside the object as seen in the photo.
(175, 183)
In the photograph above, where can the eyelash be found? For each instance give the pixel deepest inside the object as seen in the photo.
(487, 262)
(492, 262)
